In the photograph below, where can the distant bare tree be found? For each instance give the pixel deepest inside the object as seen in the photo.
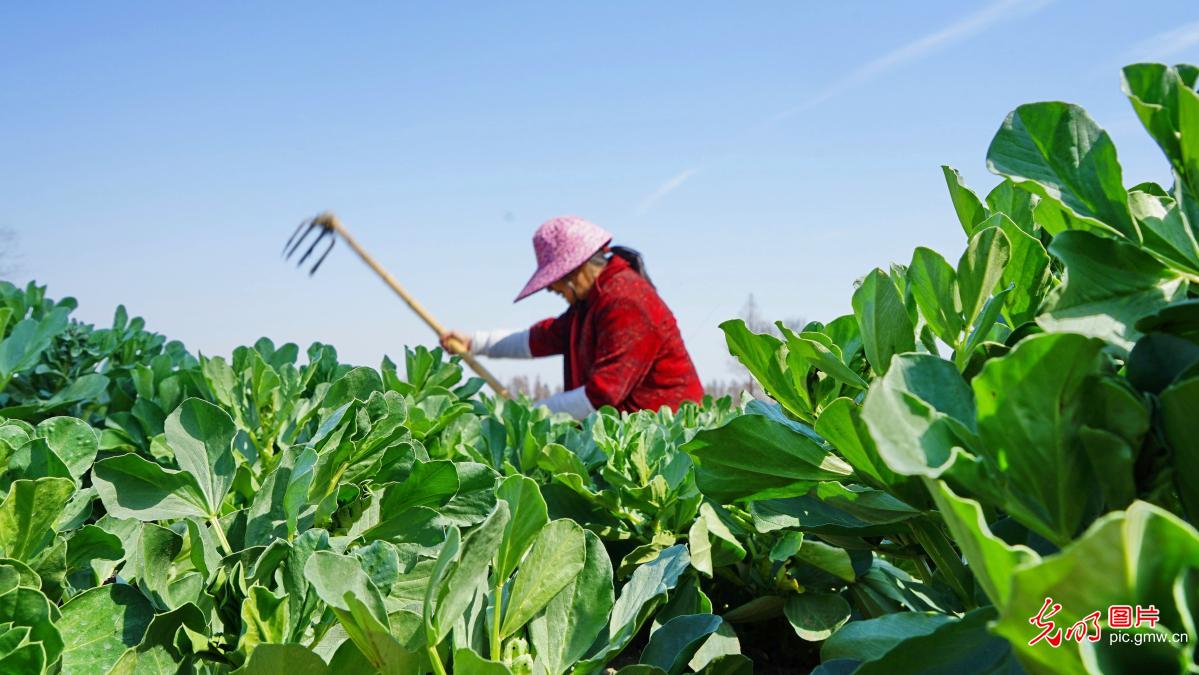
(535, 389)
(8, 252)
(752, 315)
(754, 319)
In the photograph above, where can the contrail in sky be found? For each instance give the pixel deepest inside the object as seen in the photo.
(1167, 44)
(667, 187)
(915, 50)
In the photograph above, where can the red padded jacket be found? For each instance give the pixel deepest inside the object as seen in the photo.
(622, 344)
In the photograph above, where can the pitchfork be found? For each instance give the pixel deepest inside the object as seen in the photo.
(327, 225)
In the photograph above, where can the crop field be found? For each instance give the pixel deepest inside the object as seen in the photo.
(991, 464)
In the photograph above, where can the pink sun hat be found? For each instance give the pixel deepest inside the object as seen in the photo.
(561, 245)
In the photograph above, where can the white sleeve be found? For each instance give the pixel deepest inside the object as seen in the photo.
(501, 344)
(574, 402)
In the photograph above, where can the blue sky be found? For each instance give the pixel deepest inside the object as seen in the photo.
(158, 155)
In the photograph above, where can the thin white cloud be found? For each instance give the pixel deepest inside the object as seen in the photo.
(667, 187)
(1165, 45)
(915, 50)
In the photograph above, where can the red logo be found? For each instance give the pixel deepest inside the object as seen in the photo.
(1119, 616)
(1049, 630)
(1147, 615)
(1088, 628)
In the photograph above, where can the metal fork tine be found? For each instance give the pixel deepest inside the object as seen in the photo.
(311, 225)
(332, 241)
(312, 248)
(293, 236)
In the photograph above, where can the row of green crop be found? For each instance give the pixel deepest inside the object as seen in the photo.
(971, 440)
(1040, 397)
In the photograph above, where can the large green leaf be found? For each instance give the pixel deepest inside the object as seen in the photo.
(1180, 426)
(765, 358)
(886, 327)
(966, 204)
(1057, 151)
(133, 487)
(342, 583)
(721, 652)
(556, 556)
(1167, 233)
(1014, 203)
(263, 618)
(934, 286)
(475, 498)
(1027, 272)
(28, 658)
(91, 544)
(528, 516)
(1132, 557)
(357, 384)
(754, 457)
(815, 616)
(819, 350)
(961, 646)
(288, 659)
(1030, 410)
(646, 590)
(276, 507)
(201, 435)
(1118, 418)
(1187, 183)
(98, 625)
(1155, 91)
(841, 423)
(573, 619)
(711, 543)
(27, 340)
(872, 638)
(1159, 359)
(156, 569)
(430, 485)
(27, 514)
(991, 559)
(675, 642)
(835, 509)
(828, 558)
(28, 608)
(467, 662)
(980, 269)
(1180, 318)
(1109, 285)
(460, 570)
(73, 441)
(335, 576)
(918, 414)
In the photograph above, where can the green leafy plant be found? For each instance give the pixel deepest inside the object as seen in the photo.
(974, 443)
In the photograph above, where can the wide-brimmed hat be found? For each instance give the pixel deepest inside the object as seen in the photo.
(562, 244)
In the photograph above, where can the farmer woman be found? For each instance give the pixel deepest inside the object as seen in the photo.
(619, 342)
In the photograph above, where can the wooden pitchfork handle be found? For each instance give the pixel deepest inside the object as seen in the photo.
(455, 344)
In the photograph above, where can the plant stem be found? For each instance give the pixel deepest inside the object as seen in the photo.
(941, 551)
(496, 653)
(435, 659)
(742, 518)
(220, 534)
(319, 634)
(926, 574)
